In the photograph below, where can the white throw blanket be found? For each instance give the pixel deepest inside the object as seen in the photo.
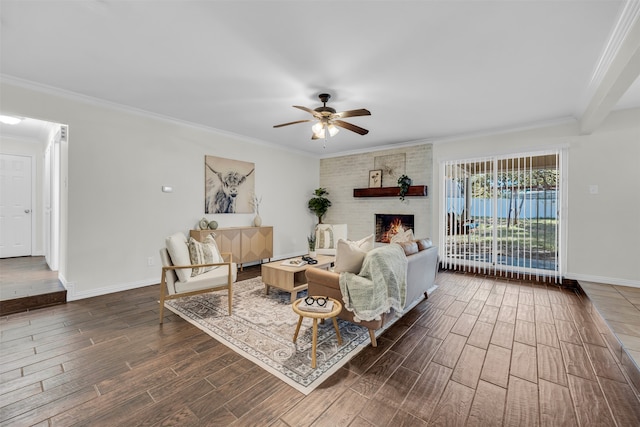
(380, 285)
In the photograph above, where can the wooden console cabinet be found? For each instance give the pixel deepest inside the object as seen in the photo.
(247, 244)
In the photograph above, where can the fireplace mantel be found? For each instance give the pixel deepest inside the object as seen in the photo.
(414, 190)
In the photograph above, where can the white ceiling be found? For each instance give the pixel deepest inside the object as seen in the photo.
(427, 70)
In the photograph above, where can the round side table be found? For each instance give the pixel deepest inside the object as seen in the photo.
(337, 308)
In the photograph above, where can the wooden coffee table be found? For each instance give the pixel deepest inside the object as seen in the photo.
(291, 278)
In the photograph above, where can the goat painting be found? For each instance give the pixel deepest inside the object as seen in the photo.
(228, 185)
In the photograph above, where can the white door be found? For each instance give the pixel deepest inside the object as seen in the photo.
(15, 206)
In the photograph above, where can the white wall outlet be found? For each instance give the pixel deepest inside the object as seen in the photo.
(150, 262)
(593, 189)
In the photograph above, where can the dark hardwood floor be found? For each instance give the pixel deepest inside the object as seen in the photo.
(478, 352)
(27, 283)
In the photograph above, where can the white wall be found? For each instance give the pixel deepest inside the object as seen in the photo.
(340, 175)
(603, 229)
(114, 215)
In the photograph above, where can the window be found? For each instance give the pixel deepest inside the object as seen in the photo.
(502, 215)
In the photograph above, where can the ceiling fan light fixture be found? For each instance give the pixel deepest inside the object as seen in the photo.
(317, 128)
(319, 135)
(328, 120)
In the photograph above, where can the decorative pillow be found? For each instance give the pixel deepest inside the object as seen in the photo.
(402, 236)
(366, 243)
(350, 254)
(424, 243)
(179, 253)
(324, 237)
(204, 253)
(410, 248)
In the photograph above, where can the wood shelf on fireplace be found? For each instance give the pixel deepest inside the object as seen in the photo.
(414, 190)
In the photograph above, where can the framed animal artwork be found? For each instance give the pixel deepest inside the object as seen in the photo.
(228, 185)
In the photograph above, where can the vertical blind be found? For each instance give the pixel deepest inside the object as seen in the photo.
(502, 215)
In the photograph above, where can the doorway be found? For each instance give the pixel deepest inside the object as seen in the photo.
(31, 163)
(16, 204)
(503, 215)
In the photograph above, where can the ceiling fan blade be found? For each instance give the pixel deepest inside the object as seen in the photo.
(349, 126)
(352, 113)
(309, 110)
(291, 123)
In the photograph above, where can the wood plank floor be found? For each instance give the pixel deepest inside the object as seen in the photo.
(27, 283)
(619, 306)
(478, 352)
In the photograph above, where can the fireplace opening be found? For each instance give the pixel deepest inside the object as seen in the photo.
(388, 225)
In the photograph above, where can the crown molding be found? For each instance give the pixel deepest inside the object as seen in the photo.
(461, 137)
(629, 15)
(376, 149)
(506, 130)
(74, 96)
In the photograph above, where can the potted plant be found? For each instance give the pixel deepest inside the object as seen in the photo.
(319, 204)
(404, 182)
(311, 240)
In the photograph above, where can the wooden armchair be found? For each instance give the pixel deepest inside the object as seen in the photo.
(177, 270)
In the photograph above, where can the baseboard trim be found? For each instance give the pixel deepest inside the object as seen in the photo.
(606, 280)
(505, 276)
(72, 295)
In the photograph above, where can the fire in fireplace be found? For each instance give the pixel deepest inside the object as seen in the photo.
(388, 225)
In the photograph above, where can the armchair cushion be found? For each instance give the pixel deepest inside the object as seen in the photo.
(179, 253)
(210, 279)
(327, 236)
(205, 252)
(324, 237)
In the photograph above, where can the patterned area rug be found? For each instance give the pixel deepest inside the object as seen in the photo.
(261, 329)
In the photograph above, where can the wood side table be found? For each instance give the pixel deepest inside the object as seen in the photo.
(337, 308)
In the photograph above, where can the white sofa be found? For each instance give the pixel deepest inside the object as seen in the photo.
(422, 269)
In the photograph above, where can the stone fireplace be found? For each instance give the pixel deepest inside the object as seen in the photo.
(387, 225)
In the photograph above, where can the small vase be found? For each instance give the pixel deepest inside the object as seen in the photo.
(257, 221)
(313, 254)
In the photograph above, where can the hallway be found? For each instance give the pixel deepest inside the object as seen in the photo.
(27, 283)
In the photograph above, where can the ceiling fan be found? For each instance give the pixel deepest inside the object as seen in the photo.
(328, 120)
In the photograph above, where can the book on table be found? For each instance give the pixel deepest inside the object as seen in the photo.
(315, 307)
(296, 262)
